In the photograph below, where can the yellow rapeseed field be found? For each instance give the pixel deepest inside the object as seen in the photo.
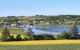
(41, 42)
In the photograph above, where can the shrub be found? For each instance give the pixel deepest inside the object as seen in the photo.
(43, 37)
(18, 37)
(64, 35)
(11, 38)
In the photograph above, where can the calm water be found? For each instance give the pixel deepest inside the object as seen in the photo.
(55, 30)
(51, 29)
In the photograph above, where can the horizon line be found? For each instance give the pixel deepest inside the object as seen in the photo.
(39, 14)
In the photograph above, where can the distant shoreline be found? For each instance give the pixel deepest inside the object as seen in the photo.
(51, 25)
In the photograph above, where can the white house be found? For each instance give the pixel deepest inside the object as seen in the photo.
(13, 25)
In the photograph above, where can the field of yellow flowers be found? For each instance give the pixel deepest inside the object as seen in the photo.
(41, 42)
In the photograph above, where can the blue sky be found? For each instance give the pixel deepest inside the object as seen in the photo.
(40, 7)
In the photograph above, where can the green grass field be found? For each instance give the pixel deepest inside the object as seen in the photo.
(42, 47)
(13, 30)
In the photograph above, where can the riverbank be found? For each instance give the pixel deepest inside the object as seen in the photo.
(51, 25)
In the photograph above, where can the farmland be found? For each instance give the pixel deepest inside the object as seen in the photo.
(41, 42)
(41, 47)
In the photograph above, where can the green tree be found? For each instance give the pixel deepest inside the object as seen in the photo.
(74, 29)
(64, 35)
(30, 32)
(5, 35)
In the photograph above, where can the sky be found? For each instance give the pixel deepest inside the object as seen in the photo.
(39, 7)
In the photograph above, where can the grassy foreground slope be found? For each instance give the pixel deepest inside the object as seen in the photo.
(41, 42)
(42, 47)
(13, 30)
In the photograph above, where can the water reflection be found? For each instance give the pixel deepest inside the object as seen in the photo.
(50, 29)
(55, 30)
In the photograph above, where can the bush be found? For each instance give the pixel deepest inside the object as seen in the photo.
(18, 37)
(67, 35)
(64, 35)
(43, 37)
(11, 38)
